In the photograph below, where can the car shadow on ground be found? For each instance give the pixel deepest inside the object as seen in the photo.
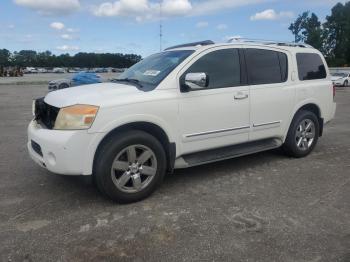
(84, 187)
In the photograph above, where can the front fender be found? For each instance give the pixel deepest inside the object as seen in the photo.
(104, 130)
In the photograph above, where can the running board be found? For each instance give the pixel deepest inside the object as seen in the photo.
(228, 152)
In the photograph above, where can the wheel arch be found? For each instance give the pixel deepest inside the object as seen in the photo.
(312, 107)
(150, 128)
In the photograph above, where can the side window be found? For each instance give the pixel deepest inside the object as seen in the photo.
(284, 66)
(221, 66)
(266, 66)
(310, 66)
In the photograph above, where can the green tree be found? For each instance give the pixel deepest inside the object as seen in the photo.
(25, 58)
(337, 35)
(5, 56)
(308, 29)
(29, 58)
(298, 26)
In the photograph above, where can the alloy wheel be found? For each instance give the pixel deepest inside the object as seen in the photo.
(305, 134)
(134, 168)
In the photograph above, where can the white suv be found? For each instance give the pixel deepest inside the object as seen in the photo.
(189, 105)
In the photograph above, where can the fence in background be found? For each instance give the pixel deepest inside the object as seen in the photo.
(339, 69)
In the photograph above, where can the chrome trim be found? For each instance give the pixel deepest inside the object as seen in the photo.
(217, 131)
(267, 124)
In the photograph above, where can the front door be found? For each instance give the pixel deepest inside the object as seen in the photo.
(217, 115)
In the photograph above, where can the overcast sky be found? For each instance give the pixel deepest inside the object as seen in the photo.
(70, 26)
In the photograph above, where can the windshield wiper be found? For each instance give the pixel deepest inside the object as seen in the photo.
(129, 80)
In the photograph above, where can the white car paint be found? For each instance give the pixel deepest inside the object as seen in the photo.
(266, 113)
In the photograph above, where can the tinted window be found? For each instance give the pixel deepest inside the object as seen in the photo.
(222, 68)
(266, 67)
(284, 66)
(310, 66)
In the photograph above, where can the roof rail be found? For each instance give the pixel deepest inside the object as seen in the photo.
(268, 42)
(201, 43)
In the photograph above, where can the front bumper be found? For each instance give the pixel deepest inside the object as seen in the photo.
(53, 87)
(61, 152)
(338, 83)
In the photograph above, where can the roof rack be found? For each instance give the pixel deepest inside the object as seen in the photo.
(268, 42)
(201, 43)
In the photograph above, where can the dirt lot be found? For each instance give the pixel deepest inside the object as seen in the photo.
(264, 207)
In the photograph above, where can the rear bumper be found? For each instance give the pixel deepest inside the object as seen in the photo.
(333, 110)
(61, 152)
(331, 115)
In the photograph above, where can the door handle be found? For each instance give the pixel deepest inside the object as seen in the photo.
(241, 96)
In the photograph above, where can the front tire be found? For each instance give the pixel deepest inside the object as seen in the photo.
(129, 166)
(346, 83)
(303, 134)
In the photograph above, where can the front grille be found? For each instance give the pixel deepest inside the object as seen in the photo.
(37, 148)
(45, 114)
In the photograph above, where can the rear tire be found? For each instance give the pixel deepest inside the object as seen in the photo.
(129, 166)
(302, 135)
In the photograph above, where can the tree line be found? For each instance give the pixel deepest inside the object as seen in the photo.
(332, 37)
(30, 58)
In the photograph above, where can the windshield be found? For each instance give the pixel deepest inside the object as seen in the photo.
(153, 69)
(340, 74)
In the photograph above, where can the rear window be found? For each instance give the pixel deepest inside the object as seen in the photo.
(310, 67)
(266, 66)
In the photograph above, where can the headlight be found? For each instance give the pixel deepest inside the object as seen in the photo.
(76, 117)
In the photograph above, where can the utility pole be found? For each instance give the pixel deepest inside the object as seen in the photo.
(160, 26)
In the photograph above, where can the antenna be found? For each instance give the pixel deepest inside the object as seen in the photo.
(160, 26)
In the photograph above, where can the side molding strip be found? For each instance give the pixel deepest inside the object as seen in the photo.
(217, 131)
(267, 124)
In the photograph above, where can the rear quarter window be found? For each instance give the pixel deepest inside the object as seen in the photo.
(310, 66)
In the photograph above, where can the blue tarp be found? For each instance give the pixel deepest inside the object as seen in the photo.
(85, 78)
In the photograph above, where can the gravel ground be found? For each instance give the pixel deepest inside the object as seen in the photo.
(263, 207)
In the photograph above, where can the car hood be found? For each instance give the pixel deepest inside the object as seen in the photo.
(103, 94)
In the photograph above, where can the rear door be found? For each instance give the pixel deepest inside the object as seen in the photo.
(272, 92)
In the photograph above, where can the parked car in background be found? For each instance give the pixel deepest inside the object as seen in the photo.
(58, 70)
(42, 70)
(30, 70)
(100, 70)
(341, 79)
(74, 70)
(118, 70)
(189, 105)
(82, 78)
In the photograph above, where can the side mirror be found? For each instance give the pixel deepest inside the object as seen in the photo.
(196, 81)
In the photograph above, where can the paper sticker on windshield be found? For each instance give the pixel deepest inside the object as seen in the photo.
(151, 73)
